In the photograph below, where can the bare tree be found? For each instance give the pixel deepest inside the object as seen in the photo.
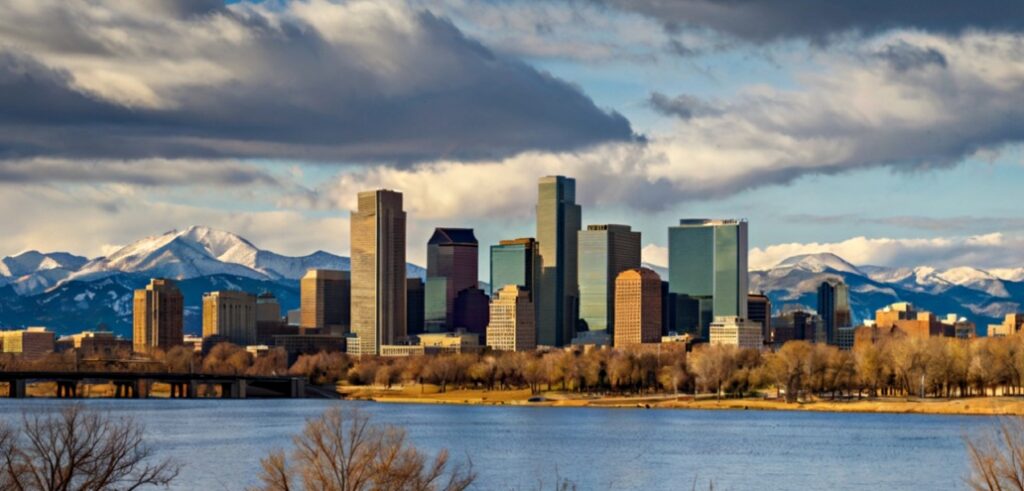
(76, 449)
(343, 451)
(997, 460)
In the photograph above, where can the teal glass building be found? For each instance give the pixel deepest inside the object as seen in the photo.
(557, 296)
(707, 264)
(604, 252)
(514, 262)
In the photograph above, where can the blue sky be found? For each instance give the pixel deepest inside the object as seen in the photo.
(889, 139)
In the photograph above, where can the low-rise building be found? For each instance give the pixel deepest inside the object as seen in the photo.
(736, 331)
(309, 344)
(99, 343)
(30, 343)
(1011, 325)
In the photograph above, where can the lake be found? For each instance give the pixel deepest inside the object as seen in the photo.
(221, 441)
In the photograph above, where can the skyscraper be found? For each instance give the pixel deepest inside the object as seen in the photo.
(325, 301)
(512, 326)
(637, 307)
(452, 266)
(604, 252)
(414, 301)
(707, 263)
(158, 316)
(378, 270)
(514, 262)
(557, 293)
(230, 315)
(759, 310)
(834, 308)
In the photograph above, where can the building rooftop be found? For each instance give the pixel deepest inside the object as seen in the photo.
(443, 235)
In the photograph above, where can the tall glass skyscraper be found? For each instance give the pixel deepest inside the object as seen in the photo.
(604, 252)
(378, 270)
(557, 295)
(707, 264)
(514, 262)
(834, 307)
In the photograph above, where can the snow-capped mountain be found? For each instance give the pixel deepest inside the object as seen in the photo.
(202, 251)
(982, 296)
(60, 290)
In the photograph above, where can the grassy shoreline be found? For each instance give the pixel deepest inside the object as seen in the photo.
(974, 406)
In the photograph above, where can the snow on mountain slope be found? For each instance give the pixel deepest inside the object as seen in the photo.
(819, 263)
(976, 279)
(33, 261)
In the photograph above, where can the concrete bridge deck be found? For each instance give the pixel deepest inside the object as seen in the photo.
(139, 384)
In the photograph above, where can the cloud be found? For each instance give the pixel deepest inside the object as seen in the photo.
(88, 219)
(994, 250)
(359, 82)
(824, 21)
(558, 30)
(961, 223)
(148, 172)
(682, 106)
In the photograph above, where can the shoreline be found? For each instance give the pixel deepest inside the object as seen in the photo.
(974, 406)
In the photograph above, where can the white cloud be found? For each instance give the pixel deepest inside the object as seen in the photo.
(988, 251)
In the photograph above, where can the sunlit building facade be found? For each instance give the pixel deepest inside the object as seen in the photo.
(158, 316)
(604, 252)
(708, 272)
(378, 271)
(557, 296)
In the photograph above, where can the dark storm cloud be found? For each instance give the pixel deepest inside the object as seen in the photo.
(821, 20)
(904, 56)
(682, 106)
(276, 86)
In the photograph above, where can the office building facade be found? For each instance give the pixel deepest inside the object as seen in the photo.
(511, 326)
(708, 272)
(231, 315)
(514, 262)
(834, 308)
(325, 302)
(557, 296)
(378, 270)
(452, 266)
(158, 316)
(637, 308)
(604, 252)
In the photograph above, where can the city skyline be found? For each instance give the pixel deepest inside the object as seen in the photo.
(654, 127)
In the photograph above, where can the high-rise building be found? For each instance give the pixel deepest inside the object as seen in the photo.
(604, 252)
(414, 303)
(325, 302)
(452, 262)
(637, 307)
(378, 271)
(158, 316)
(707, 263)
(514, 262)
(557, 294)
(511, 326)
(231, 316)
(471, 311)
(268, 309)
(834, 308)
(759, 310)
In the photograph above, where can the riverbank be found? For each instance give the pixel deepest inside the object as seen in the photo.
(428, 394)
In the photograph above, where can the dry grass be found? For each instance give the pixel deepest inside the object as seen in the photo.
(429, 394)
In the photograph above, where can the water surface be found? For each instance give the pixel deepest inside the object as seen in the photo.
(221, 441)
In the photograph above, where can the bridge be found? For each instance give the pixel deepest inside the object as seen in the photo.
(134, 385)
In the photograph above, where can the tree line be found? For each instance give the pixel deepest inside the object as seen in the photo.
(891, 366)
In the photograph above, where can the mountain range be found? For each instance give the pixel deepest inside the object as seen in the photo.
(70, 293)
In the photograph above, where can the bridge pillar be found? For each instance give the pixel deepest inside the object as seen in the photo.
(16, 389)
(233, 390)
(298, 388)
(193, 389)
(142, 387)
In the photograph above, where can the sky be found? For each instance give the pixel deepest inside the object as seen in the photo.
(885, 132)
